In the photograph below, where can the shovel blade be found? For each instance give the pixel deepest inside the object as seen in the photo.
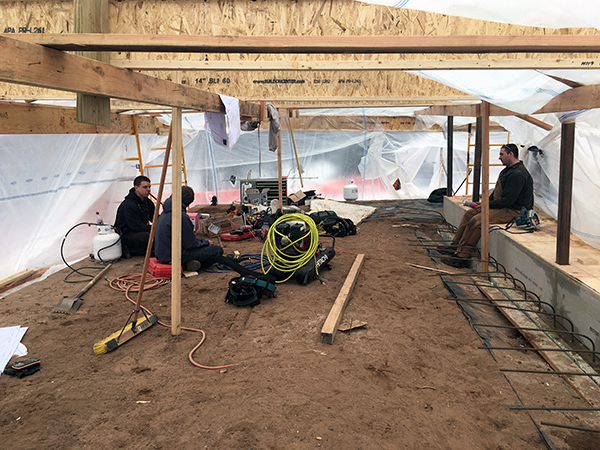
(68, 305)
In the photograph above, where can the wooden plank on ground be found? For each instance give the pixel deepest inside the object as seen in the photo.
(20, 278)
(335, 315)
(559, 361)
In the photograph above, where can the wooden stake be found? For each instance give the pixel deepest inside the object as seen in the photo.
(279, 175)
(335, 315)
(485, 185)
(176, 224)
(295, 151)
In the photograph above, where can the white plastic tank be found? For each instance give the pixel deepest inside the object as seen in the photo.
(107, 246)
(350, 191)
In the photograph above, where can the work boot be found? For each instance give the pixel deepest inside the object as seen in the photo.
(447, 249)
(193, 266)
(455, 261)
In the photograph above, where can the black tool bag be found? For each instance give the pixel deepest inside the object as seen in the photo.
(247, 291)
(318, 216)
(338, 226)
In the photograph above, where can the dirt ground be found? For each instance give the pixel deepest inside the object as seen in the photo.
(412, 378)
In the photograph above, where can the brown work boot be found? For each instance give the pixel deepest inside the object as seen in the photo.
(447, 249)
(455, 261)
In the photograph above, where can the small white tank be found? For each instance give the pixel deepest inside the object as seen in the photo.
(103, 244)
(350, 191)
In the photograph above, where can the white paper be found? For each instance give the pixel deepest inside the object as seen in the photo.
(10, 344)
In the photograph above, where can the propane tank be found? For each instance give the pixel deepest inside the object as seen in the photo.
(107, 244)
(350, 191)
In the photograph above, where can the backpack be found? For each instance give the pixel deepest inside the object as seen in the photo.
(338, 226)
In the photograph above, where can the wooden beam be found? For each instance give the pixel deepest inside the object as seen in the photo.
(91, 16)
(34, 65)
(362, 65)
(335, 315)
(534, 121)
(485, 185)
(30, 118)
(584, 97)
(318, 44)
(565, 193)
(176, 222)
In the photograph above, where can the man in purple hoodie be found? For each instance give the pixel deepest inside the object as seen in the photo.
(195, 252)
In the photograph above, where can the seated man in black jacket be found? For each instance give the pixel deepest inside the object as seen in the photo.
(195, 253)
(133, 217)
(514, 190)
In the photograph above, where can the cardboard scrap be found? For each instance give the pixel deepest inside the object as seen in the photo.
(353, 324)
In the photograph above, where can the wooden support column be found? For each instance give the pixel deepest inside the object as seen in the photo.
(565, 193)
(477, 160)
(484, 130)
(176, 223)
(279, 170)
(450, 156)
(91, 16)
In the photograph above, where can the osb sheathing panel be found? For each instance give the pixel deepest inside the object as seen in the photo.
(271, 17)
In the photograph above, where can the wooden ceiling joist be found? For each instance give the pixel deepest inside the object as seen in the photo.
(35, 65)
(317, 44)
(362, 65)
(27, 118)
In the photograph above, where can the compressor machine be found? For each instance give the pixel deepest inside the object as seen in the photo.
(293, 250)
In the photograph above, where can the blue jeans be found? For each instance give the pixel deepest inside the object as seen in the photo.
(206, 255)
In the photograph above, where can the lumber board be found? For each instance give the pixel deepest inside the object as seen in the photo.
(91, 16)
(28, 118)
(362, 65)
(16, 277)
(583, 97)
(335, 315)
(317, 44)
(559, 361)
(34, 65)
(28, 276)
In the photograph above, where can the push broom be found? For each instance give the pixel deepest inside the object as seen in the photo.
(136, 326)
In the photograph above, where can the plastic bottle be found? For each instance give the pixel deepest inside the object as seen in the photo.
(99, 220)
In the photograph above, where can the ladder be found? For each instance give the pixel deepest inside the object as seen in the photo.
(145, 169)
(472, 165)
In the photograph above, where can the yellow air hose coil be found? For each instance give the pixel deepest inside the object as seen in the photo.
(276, 256)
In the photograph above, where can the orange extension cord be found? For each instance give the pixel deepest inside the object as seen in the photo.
(131, 283)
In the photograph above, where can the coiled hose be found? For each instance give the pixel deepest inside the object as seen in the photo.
(276, 255)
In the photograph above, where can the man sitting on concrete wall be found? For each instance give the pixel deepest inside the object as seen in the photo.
(514, 190)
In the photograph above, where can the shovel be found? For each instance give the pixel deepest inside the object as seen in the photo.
(68, 305)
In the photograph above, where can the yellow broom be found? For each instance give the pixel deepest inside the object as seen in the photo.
(130, 330)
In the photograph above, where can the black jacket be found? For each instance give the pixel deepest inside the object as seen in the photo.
(162, 239)
(134, 214)
(517, 188)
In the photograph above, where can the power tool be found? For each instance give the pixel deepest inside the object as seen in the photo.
(528, 219)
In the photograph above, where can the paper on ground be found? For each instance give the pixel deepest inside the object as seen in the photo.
(10, 344)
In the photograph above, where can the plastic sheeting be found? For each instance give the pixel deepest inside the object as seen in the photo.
(52, 182)
(535, 13)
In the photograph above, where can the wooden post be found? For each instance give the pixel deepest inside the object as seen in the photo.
(565, 193)
(450, 156)
(176, 223)
(477, 160)
(279, 175)
(485, 184)
(91, 16)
